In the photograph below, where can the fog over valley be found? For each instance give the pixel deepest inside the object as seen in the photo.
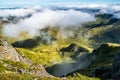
(32, 19)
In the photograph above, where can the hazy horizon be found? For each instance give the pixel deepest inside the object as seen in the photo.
(16, 3)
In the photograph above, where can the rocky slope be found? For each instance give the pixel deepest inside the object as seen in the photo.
(11, 56)
(8, 52)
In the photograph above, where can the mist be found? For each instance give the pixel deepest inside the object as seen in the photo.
(47, 17)
(53, 16)
(117, 15)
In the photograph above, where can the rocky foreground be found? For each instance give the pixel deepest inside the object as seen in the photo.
(7, 52)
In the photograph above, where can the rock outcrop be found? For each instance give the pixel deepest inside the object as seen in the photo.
(7, 52)
(38, 70)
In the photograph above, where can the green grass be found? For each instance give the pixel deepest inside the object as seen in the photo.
(42, 54)
(80, 77)
(16, 76)
(0, 30)
(48, 78)
(2, 67)
(19, 65)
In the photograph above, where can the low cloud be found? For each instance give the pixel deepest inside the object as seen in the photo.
(111, 9)
(16, 12)
(117, 15)
(47, 17)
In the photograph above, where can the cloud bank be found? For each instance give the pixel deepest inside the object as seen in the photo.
(16, 12)
(53, 16)
(45, 18)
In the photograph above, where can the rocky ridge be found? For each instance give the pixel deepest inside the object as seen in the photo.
(7, 52)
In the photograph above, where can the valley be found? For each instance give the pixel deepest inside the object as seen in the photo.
(77, 44)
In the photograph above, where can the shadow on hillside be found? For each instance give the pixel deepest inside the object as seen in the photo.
(111, 35)
(29, 43)
(110, 22)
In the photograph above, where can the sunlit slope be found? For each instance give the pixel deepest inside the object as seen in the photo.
(45, 55)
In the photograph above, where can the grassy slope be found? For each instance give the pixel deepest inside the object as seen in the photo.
(47, 54)
(7, 74)
(12, 76)
(105, 57)
(43, 55)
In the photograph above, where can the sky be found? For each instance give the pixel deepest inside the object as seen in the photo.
(16, 3)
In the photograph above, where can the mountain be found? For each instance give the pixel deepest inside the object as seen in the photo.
(13, 63)
(110, 72)
(85, 51)
(12, 60)
(82, 60)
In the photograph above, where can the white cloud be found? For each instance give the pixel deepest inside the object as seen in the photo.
(47, 18)
(19, 12)
(93, 6)
(115, 7)
(110, 9)
(117, 15)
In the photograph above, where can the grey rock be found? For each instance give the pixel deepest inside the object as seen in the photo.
(7, 52)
